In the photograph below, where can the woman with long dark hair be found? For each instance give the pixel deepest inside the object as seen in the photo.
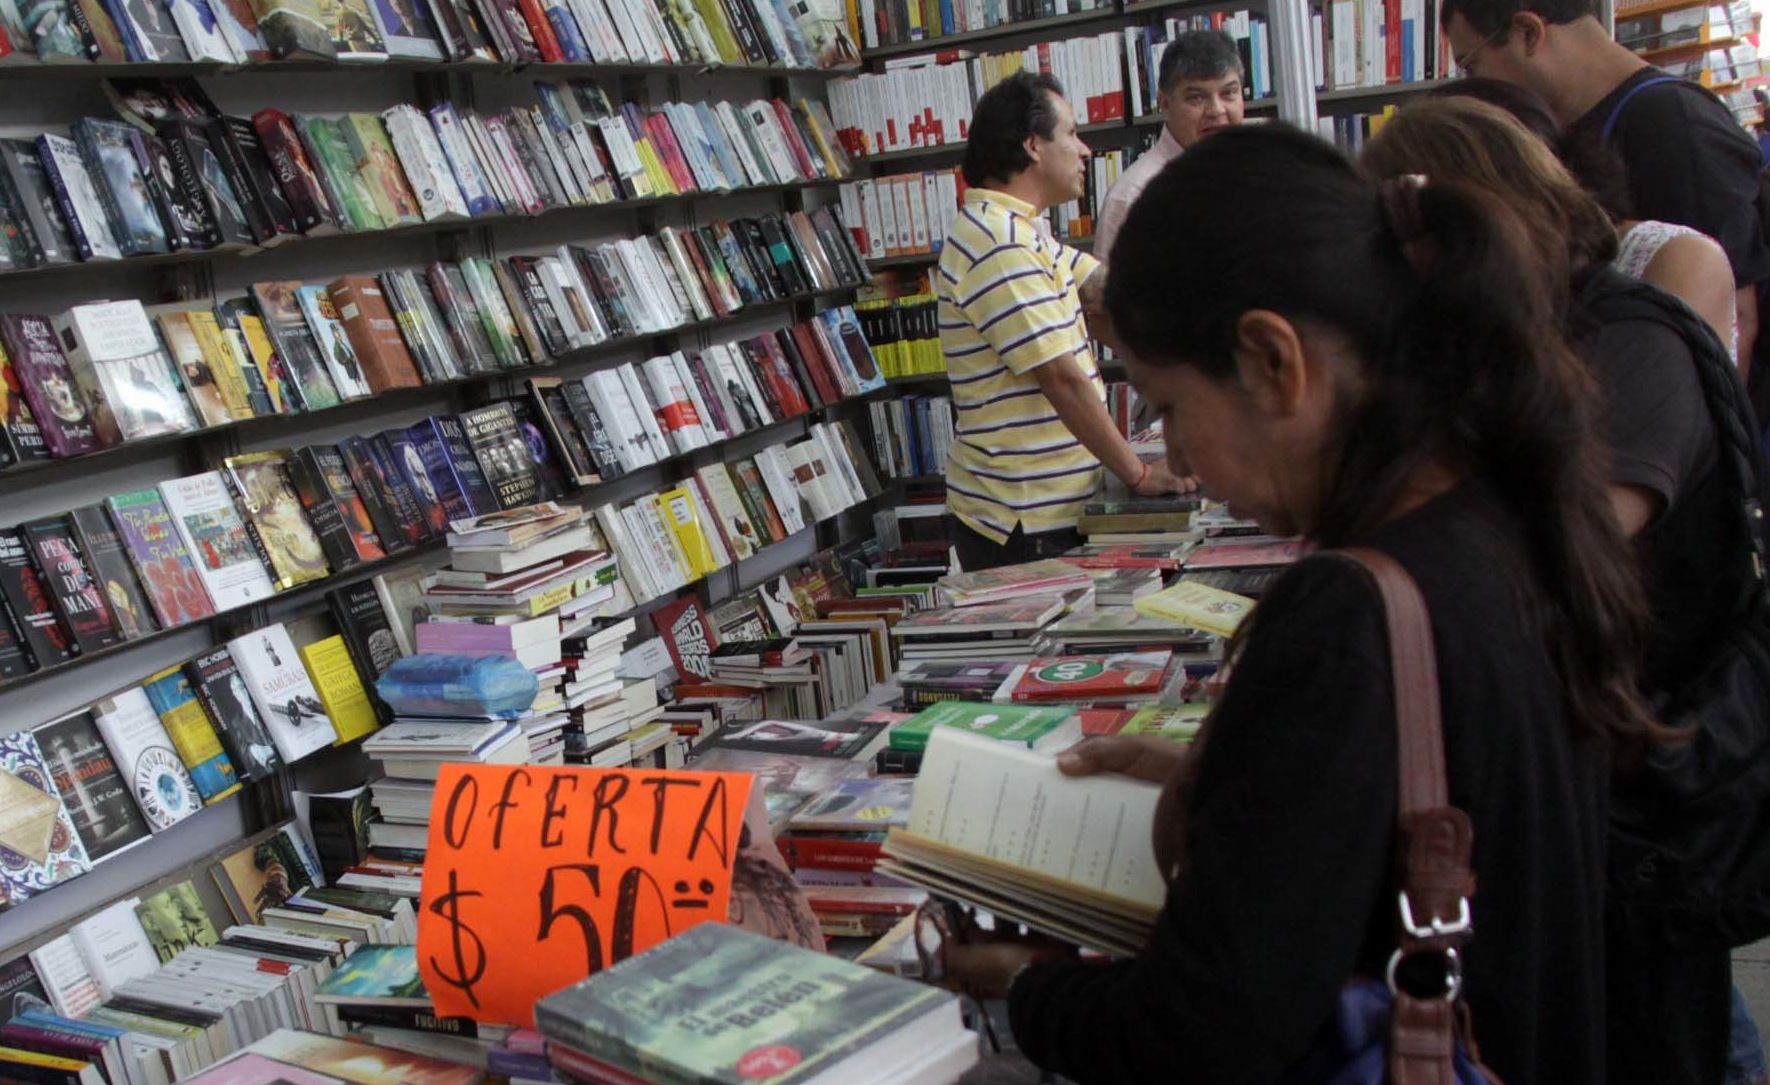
(1378, 366)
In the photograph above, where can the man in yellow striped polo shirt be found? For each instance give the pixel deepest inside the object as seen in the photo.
(1031, 427)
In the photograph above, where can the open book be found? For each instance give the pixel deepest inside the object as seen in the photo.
(996, 825)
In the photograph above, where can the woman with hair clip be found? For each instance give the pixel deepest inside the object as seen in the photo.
(1378, 368)
(1669, 1005)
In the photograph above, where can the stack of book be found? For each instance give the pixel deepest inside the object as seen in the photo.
(1010, 582)
(848, 1023)
(833, 842)
(1140, 520)
(988, 632)
(1110, 681)
(377, 996)
(625, 726)
(1123, 628)
(926, 101)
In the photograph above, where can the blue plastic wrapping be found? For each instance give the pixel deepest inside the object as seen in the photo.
(444, 685)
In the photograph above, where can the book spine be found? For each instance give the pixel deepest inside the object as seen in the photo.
(233, 164)
(308, 199)
(208, 232)
(64, 200)
(322, 509)
(241, 500)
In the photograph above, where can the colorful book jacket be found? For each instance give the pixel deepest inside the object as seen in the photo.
(90, 784)
(150, 766)
(39, 847)
(193, 736)
(161, 562)
(78, 600)
(215, 678)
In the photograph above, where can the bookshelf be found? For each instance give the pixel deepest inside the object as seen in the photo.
(35, 97)
(1025, 28)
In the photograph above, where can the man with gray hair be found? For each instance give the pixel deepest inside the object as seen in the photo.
(1200, 91)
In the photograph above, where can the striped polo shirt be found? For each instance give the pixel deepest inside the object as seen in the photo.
(1010, 302)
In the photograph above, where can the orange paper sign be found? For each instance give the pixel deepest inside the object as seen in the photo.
(535, 877)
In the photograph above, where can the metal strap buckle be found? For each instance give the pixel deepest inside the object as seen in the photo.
(1437, 928)
(1453, 973)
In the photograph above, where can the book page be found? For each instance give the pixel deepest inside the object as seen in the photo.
(1008, 803)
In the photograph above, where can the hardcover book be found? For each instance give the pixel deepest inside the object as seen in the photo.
(282, 692)
(279, 305)
(498, 445)
(216, 680)
(333, 342)
(38, 843)
(46, 636)
(193, 736)
(337, 511)
(48, 385)
(78, 600)
(91, 786)
(157, 553)
(340, 687)
(213, 533)
(267, 496)
(116, 165)
(126, 378)
(150, 767)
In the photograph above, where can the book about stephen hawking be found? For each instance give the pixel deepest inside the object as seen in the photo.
(645, 1016)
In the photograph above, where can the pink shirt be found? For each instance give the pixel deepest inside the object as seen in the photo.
(1130, 185)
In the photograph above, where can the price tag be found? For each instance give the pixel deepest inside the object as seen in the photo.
(536, 877)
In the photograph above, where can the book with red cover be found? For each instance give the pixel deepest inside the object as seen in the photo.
(1119, 678)
(373, 332)
(792, 396)
(1124, 556)
(816, 363)
(791, 352)
(1024, 614)
(79, 599)
(48, 385)
(546, 42)
(802, 155)
(1246, 554)
(663, 138)
(689, 636)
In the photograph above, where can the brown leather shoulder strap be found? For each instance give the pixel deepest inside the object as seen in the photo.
(1434, 839)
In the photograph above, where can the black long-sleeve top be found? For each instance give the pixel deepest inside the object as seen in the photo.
(1289, 887)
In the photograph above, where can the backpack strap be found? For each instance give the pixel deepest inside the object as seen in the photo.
(1628, 96)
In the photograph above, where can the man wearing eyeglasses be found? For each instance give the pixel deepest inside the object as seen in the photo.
(1688, 160)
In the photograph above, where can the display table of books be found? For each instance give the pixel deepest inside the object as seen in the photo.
(872, 749)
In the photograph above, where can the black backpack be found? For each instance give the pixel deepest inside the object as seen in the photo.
(1690, 833)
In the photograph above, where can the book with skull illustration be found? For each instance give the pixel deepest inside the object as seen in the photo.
(48, 385)
(282, 692)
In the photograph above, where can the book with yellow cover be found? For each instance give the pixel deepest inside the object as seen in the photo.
(192, 734)
(681, 515)
(264, 357)
(223, 363)
(1199, 606)
(341, 690)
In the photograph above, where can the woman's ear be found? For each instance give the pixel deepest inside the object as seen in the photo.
(1270, 362)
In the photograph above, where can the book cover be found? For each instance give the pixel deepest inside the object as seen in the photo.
(407, 28)
(842, 739)
(377, 976)
(1246, 554)
(1020, 724)
(1112, 678)
(157, 779)
(78, 600)
(453, 453)
(273, 510)
(46, 637)
(324, 481)
(250, 1068)
(48, 385)
(111, 154)
(632, 1014)
(201, 31)
(406, 472)
(25, 189)
(21, 439)
(216, 538)
(361, 1063)
(239, 24)
(862, 804)
(175, 920)
(262, 875)
(216, 681)
(193, 736)
(1198, 606)
(502, 453)
(127, 379)
(280, 307)
(81, 206)
(378, 165)
(372, 333)
(340, 686)
(686, 632)
(333, 342)
(310, 201)
(202, 383)
(282, 692)
(91, 785)
(38, 844)
(295, 29)
(379, 500)
(356, 34)
(331, 156)
(202, 171)
(362, 619)
(161, 562)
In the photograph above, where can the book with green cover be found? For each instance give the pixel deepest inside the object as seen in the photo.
(338, 163)
(376, 976)
(1179, 722)
(1021, 724)
(717, 1004)
(175, 920)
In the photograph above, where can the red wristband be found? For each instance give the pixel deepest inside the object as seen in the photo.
(1141, 476)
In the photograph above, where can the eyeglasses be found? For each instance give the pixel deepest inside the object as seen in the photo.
(1463, 62)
